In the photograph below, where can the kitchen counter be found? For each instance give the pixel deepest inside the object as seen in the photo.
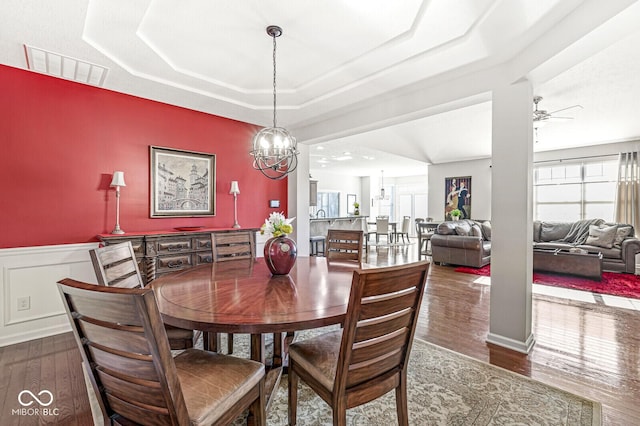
(320, 226)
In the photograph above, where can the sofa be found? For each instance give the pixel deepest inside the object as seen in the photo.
(616, 241)
(462, 242)
(468, 243)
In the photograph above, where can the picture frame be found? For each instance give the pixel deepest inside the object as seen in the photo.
(457, 195)
(351, 198)
(182, 183)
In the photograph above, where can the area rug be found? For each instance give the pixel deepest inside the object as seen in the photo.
(616, 284)
(445, 388)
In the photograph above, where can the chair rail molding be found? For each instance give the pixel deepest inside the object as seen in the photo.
(31, 306)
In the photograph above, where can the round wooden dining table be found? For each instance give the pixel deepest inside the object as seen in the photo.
(241, 296)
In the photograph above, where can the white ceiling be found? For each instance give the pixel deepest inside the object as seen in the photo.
(400, 83)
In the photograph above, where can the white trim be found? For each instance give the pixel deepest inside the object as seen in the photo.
(516, 345)
(33, 272)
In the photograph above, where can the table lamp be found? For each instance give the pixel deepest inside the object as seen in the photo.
(117, 182)
(235, 190)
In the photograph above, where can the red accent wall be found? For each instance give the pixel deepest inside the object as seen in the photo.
(61, 141)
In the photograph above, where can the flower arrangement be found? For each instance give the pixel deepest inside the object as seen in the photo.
(356, 207)
(277, 225)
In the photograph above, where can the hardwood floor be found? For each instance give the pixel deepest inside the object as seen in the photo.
(589, 349)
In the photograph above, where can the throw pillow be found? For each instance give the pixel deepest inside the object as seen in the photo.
(623, 232)
(486, 230)
(463, 229)
(601, 237)
(476, 231)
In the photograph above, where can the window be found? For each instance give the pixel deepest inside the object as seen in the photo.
(329, 202)
(575, 189)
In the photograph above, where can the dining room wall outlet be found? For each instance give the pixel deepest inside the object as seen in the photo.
(24, 303)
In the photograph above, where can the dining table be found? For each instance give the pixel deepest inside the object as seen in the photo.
(242, 296)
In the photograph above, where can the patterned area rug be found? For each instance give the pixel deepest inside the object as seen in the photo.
(445, 388)
(614, 283)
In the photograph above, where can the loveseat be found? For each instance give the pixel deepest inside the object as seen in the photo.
(468, 243)
(462, 242)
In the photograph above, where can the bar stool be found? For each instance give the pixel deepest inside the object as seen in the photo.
(315, 242)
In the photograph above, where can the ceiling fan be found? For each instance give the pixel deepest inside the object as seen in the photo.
(542, 116)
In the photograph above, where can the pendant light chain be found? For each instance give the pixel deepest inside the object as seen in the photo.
(274, 150)
(274, 80)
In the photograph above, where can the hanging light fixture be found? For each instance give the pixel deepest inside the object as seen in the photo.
(382, 195)
(275, 151)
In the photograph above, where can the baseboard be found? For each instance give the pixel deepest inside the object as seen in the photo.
(34, 334)
(516, 345)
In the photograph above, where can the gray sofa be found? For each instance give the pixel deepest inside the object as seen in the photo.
(462, 242)
(467, 242)
(615, 241)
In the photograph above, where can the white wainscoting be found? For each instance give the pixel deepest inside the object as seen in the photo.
(31, 273)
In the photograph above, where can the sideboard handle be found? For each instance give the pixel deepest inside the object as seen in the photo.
(175, 248)
(177, 264)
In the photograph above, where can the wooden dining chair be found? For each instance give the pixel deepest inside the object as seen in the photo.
(369, 356)
(344, 245)
(116, 265)
(233, 246)
(229, 246)
(128, 361)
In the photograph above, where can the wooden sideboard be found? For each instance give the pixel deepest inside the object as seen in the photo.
(161, 252)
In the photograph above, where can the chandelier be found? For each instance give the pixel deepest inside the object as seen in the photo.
(274, 150)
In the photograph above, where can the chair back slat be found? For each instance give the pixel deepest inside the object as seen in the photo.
(344, 245)
(148, 392)
(379, 347)
(118, 310)
(366, 371)
(233, 246)
(372, 329)
(125, 345)
(380, 324)
(120, 338)
(125, 363)
(148, 415)
(381, 305)
(380, 285)
(116, 265)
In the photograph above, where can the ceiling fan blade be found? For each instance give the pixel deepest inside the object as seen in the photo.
(565, 109)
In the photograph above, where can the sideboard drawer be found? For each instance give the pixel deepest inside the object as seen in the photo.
(202, 243)
(173, 263)
(177, 245)
(203, 257)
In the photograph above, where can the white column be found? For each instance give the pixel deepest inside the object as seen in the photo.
(511, 218)
(298, 201)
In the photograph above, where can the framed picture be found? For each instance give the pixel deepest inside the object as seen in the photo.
(182, 183)
(351, 198)
(457, 196)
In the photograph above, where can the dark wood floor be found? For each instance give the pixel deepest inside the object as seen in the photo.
(588, 349)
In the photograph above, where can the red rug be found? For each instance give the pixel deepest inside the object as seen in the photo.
(625, 285)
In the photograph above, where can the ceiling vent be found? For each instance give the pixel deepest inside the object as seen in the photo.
(61, 66)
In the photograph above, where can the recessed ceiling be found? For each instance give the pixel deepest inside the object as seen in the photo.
(394, 80)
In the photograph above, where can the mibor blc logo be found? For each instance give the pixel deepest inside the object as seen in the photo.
(35, 405)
